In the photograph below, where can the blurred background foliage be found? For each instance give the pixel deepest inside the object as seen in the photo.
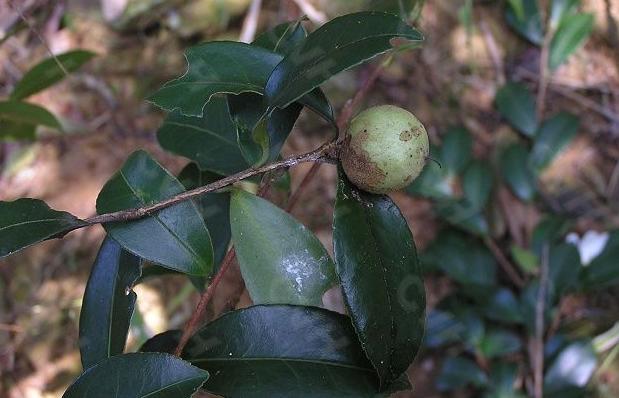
(516, 218)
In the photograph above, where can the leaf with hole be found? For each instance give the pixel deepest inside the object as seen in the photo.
(26, 221)
(108, 303)
(338, 45)
(282, 262)
(175, 237)
(377, 263)
(138, 375)
(47, 72)
(282, 351)
(517, 105)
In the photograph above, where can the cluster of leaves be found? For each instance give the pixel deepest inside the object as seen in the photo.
(231, 110)
(19, 119)
(566, 28)
(489, 318)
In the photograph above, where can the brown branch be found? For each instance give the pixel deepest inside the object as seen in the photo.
(325, 152)
(509, 269)
(205, 299)
(544, 72)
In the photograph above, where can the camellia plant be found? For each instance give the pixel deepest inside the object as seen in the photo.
(230, 114)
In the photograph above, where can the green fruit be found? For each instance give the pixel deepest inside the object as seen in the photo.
(385, 149)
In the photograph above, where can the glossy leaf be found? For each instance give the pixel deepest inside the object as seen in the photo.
(175, 237)
(26, 221)
(407, 9)
(526, 20)
(282, 262)
(338, 45)
(138, 375)
(210, 140)
(165, 342)
(47, 72)
(572, 368)
(381, 280)
(214, 206)
(553, 136)
(517, 105)
(108, 303)
(459, 372)
(282, 351)
(603, 270)
(283, 38)
(561, 8)
(573, 31)
(26, 113)
(216, 67)
(516, 172)
(477, 184)
(456, 150)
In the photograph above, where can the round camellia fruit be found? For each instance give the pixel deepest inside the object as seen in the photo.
(385, 149)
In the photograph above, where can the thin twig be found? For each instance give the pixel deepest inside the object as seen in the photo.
(509, 269)
(251, 22)
(493, 50)
(39, 36)
(538, 344)
(324, 152)
(205, 299)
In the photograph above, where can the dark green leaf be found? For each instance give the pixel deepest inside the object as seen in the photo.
(47, 72)
(210, 140)
(549, 230)
(503, 377)
(108, 303)
(175, 237)
(504, 307)
(283, 38)
(26, 113)
(603, 270)
(553, 136)
(526, 20)
(496, 343)
(407, 9)
(381, 280)
(464, 260)
(462, 214)
(434, 181)
(456, 150)
(259, 145)
(529, 297)
(214, 206)
(12, 130)
(442, 328)
(216, 67)
(165, 342)
(154, 271)
(564, 267)
(573, 31)
(517, 105)
(460, 372)
(282, 351)
(516, 172)
(339, 44)
(573, 368)
(477, 184)
(25, 222)
(282, 262)
(138, 375)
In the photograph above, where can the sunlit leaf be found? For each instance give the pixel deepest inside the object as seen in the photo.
(573, 31)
